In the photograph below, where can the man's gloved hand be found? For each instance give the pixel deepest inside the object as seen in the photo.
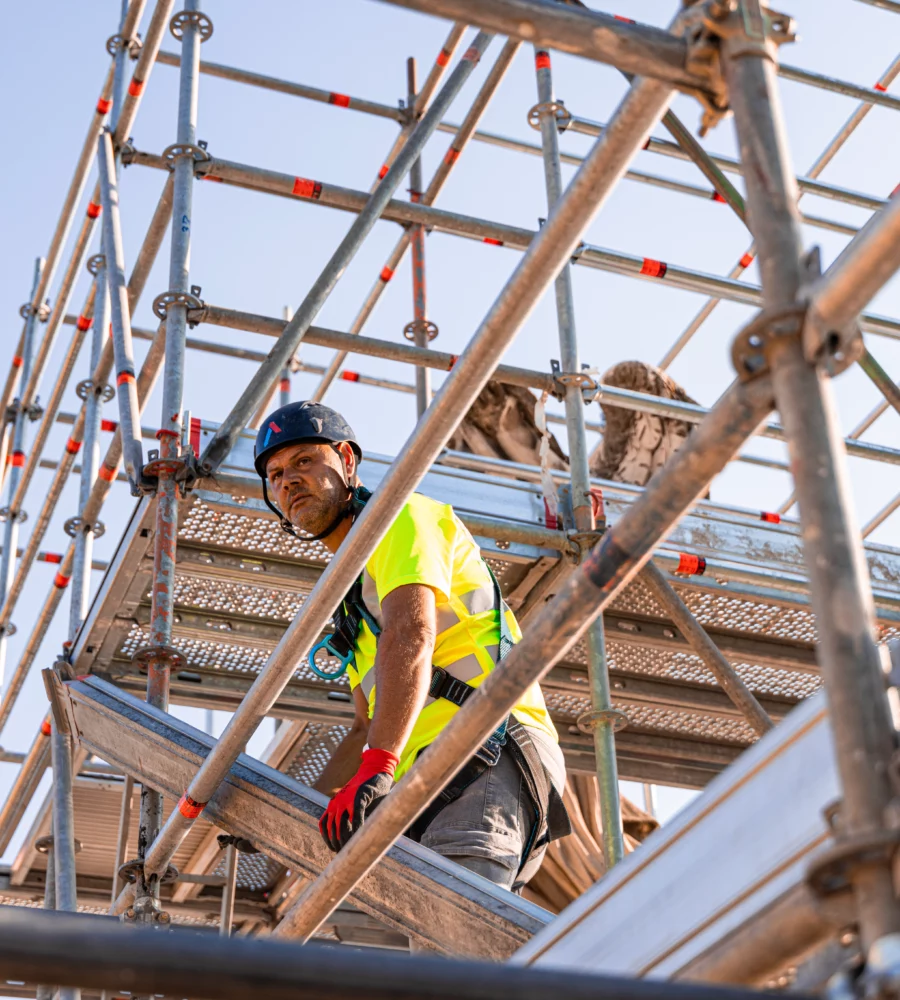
(348, 809)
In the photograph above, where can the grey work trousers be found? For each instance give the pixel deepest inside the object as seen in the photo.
(487, 828)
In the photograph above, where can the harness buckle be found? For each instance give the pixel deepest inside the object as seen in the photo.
(328, 644)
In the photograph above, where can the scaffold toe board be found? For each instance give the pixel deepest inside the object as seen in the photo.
(427, 897)
(721, 893)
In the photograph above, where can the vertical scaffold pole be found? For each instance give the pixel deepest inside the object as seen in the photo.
(839, 583)
(419, 330)
(602, 718)
(47, 992)
(64, 832)
(90, 463)
(191, 26)
(284, 386)
(226, 918)
(13, 517)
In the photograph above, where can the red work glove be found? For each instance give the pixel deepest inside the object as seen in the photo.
(347, 810)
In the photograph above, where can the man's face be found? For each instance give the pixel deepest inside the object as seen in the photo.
(307, 482)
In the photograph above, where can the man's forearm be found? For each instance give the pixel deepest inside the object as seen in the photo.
(343, 764)
(403, 673)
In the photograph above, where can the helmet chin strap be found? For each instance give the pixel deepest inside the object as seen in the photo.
(349, 508)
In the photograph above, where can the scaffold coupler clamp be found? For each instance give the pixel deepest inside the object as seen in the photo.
(146, 908)
(54, 677)
(133, 45)
(428, 329)
(557, 109)
(42, 312)
(185, 18)
(584, 380)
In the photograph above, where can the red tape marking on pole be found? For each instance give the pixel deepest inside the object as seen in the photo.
(194, 432)
(189, 808)
(453, 359)
(103, 106)
(550, 520)
(717, 197)
(285, 385)
(689, 565)
(654, 268)
(542, 60)
(746, 260)
(84, 323)
(61, 581)
(107, 473)
(45, 728)
(341, 100)
(443, 57)
(211, 177)
(383, 171)
(880, 87)
(472, 55)
(18, 458)
(624, 20)
(73, 446)
(18, 361)
(135, 87)
(451, 156)
(770, 517)
(124, 377)
(386, 274)
(492, 241)
(304, 188)
(350, 376)
(93, 210)
(51, 557)
(108, 425)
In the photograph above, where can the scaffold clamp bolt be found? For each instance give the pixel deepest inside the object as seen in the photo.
(165, 300)
(191, 17)
(179, 149)
(17, 515)
(88, 387)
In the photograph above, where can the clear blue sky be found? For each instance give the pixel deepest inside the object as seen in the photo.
(261, 253)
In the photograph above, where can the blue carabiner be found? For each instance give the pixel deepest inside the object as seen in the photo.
(331, 651)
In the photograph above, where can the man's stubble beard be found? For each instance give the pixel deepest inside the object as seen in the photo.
(318, 512)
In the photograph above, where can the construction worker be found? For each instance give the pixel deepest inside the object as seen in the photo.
(417, 633)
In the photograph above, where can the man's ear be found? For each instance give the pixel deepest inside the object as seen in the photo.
(349, 457)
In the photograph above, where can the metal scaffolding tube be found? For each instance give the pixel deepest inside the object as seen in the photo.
(454, 223)
(418, 106)
(12, 515)
(462, 136)
(24, 787)
(419, 328)
(226, 917)
(724, 673)
(156, 29)
(283, 351)
(602, 718)
(881, 516)
(159, 654)
(808, 185)
(552, 632)
(122, 837)
(98, 953)
(504, 142)
(890, 5)
(140, 273)
(114, 254)
(639, 112)
(90, 462)
(839, 586)
(236, 320)
(64, 833)
(99, 492)
(887, 386)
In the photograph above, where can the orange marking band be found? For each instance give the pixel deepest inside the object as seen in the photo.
(103, 106)
(880, 88)
(386, 274)
(61, 581)
(383, 172)
(189, 808)
(654, 268)
(304, 188)
(84, 323)
(717, 197)
(52, 557)
(135, 87)
(285, 385)
(492, 241)
(625, 20)
(350, 376)
(93, 210)
(453, 359)
(341, 100)
(73, 446)
(690, 565)
(107, 473)
(443, 57)
(18, 458)
(746, 260)
(542, 60)
(18, 361)
(769, 517)
(124, 377)
(108, 425)
(211, 177)
(45, 728)
(451, 156)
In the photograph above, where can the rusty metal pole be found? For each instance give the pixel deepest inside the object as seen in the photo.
(602, 720)
(839, 584)
(226, 917)
(191, 27)
(420, 330)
